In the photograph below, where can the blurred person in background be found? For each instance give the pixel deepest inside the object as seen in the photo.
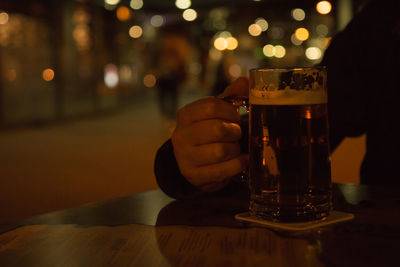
(222, 79)
(205, 151)
(172, 58)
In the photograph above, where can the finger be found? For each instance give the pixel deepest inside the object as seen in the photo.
(206, 109)
(213, 153)
(209, 131)
(239, 87)
(220, 171)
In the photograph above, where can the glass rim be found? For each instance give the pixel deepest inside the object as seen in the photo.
(264, 69)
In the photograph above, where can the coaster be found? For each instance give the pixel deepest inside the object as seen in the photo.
(334, 217)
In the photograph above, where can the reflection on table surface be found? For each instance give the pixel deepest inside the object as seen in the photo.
(151, 229)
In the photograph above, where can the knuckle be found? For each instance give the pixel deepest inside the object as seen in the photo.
(220, 152)
(220, 130)
(210, 106)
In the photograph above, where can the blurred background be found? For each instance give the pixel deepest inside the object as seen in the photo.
(89, 89)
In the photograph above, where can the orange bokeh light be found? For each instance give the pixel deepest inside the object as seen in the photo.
(48, 75)
(302, 34)
(149, 80)
(123, 13)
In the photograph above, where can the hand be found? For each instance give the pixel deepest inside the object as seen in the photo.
(206, 140)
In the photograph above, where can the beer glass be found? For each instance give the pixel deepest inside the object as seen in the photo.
(289, 169)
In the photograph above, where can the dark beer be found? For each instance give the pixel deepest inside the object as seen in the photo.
(289, 172)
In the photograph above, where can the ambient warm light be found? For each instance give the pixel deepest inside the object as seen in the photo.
(313, 53)
(280, 51)
(262, 23)
(232, 43)
(136, 4)
(235, 70)
(149, 80)
(298, 14)
(3, 18)
(255, 30)
(111, 78)
(48, 75)
(183, 4)
(322, 30)
(269, 50)
(157, 20)
(135, 31)
(224, 34)
(123, 13)
(112, 2)
(324, 7)
(302, 34)
(189, 14)
(221, 43)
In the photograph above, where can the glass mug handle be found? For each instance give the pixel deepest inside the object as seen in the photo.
(239, 101)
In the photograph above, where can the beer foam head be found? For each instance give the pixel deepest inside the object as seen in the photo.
(288, 97)
(299, 86)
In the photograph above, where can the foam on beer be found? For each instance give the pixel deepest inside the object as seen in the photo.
(287, 96)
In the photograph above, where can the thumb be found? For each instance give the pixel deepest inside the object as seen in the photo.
(240, 87)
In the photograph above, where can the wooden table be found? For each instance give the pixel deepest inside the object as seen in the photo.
(151, 229)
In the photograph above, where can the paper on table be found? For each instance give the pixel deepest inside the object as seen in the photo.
(138, 245)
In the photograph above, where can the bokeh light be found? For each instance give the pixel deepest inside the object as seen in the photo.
(149, 80)
(235, 70)
(255, 30)
(220, 43)
(302, 34)
(125, 73)
(269, 50)
(294, 40)
(123, 13)
(224, 34)
(280, 51)
(111, 78)
(262, 23)
(232, 43)
(135, 31)
(183, 4)
(3, 18)
(48, 75)
(298, 14)
(112, 2)
(136, 4)
(324, 7)
(277, 51)
(322, 30)
(189, 14)
(313, 53)
(157, 20)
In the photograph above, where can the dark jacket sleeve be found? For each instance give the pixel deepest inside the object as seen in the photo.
(168, 175)
(347, 107)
